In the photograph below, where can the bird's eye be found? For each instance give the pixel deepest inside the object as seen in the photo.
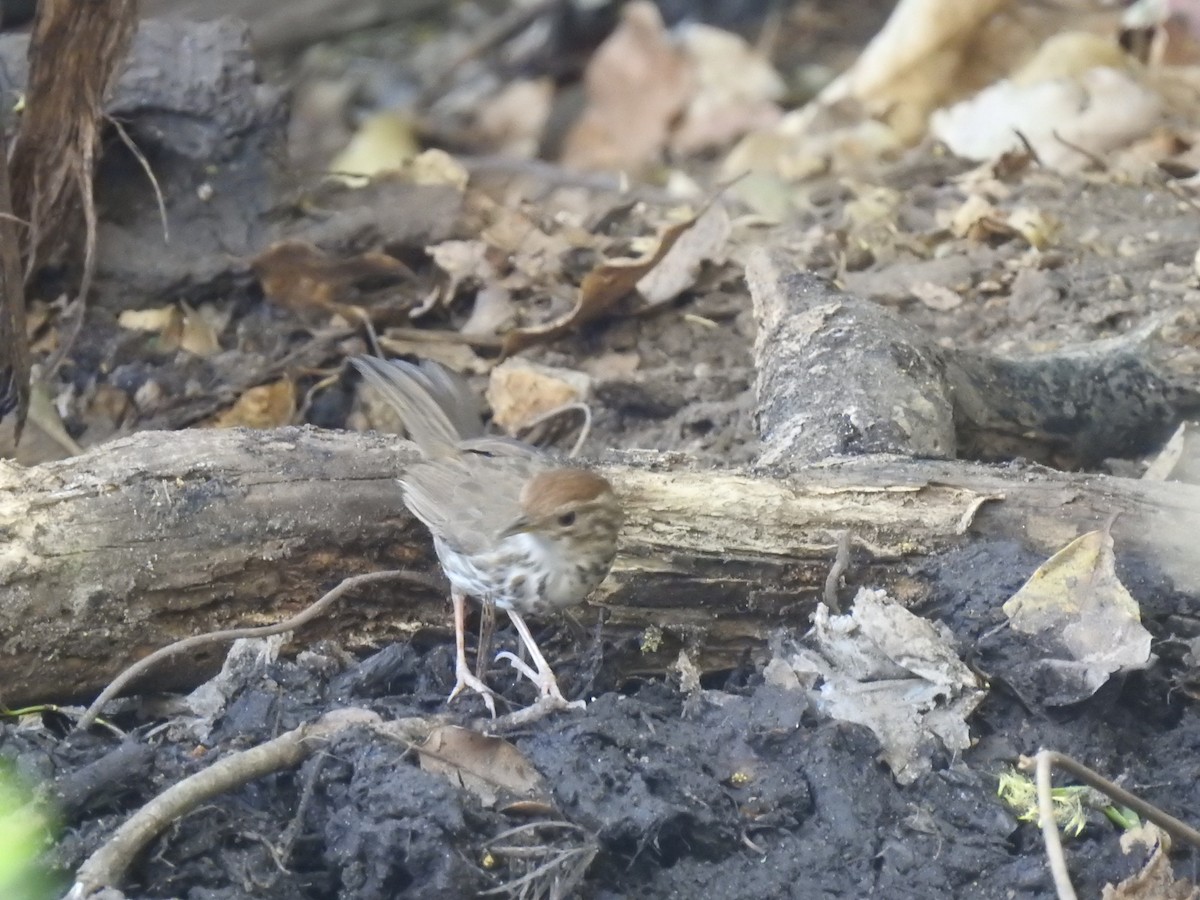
(566, 519)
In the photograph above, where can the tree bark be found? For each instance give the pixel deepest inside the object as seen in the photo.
(840, 375)
(76, 52)
(14, 343)
(110, 555)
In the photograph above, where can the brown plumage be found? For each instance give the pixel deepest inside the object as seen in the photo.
(510, 524)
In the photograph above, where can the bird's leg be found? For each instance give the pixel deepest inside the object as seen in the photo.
(487, 628)
(543, 677)
(463, 676)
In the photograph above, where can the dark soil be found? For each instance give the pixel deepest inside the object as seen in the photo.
(738, 790)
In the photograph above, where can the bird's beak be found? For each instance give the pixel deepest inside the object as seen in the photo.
(521, 525)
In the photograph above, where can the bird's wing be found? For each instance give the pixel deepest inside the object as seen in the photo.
(467, 505)
(435, 405)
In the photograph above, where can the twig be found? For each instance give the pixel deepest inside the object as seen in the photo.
(231, 634)
(311, 773)
(1029, 149)
(108, 864)
(1042, 763)
(841, 562)
(562, 868)
(584, 431)
(145, 164)
(1168, 823)
(1082, 151)
(1049, 825)
(71, 333)
(105, 867)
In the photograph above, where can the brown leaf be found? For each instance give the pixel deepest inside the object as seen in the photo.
(482, 764)
(299, 276)
(637, 85)
(265, 406)
(179, 328)
(679, 269)
(520, 391)
(602, 287)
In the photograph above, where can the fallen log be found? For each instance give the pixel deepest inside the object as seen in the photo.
(840, 375)
(110, 555)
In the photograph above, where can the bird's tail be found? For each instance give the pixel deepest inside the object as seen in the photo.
(434, 403)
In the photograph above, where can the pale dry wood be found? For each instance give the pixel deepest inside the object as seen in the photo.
(108, 556)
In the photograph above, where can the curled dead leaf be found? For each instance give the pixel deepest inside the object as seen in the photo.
(705, 241)
(299, 276)
(482, 764)
(601, 289)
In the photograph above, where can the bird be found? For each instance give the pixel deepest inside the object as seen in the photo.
(512, 524)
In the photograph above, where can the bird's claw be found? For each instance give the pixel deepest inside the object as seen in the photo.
(465, 678)
(546, 683)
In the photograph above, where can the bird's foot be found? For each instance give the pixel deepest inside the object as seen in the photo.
(465, 678)
(547, 684)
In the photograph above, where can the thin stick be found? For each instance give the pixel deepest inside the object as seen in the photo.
(1090, 777)
(106, 866)
(1043, 762)
(231, 634)
(1049, 824)
(841, 562)
(145, 164)
(584, 431)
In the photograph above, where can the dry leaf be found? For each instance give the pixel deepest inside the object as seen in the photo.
(513, 120)
(197, 334)
(736, 90)
(613, 364)
(1068, 121)
(179, 327)
(433, 167)
(936, 296)
(894, 672)
(385, 142)
(1077, 607)
(637, 84)
(492, 313)
(519, 391)
(1155, 880)
(300, 277)
(462, 260)
(705, 241)
(43, 413)
(158, 319)
(1179, 459)
(601, 289)
(265, 406)
(1039, 229)
(929, 51)
(480, 763)
(978, 220)
(453, 355)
